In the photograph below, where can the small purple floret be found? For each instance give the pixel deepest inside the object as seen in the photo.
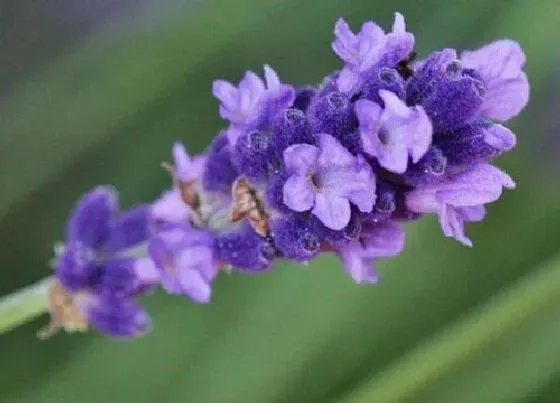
(500, 64)
(454, 199)
(326, 179)
(395, 132)
(185, 260)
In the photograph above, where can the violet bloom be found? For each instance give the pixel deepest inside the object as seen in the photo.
(326, 179)
(500, 64)
(461, 198)
(369, 47)
(94, 271)
(252, 103)
(185, 260)
(393, 133)
(187, 171)
(374, 242)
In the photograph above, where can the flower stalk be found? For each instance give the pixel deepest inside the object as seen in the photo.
(23, 305)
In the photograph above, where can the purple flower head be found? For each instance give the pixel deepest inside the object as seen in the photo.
(376, 241)
(332, 168)
(94, 267)
(395, 132)
(460, 198)
(371, 46)
(253, 102)
(185, 260)
(500, 64)
(326, 179)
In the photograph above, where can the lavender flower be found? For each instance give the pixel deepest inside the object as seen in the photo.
(371, 46)
(500, 65)
(333, 168)
(185, 260)
(95, 279)
(460, 198)
(252, 103)
(395, 132)
(374, 242)
(326, 179)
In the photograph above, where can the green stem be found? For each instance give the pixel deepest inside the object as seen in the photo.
(23, 305)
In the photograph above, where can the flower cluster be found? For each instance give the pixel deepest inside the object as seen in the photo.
(299, 171)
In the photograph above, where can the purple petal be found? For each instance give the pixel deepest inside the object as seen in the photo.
(301, 158)
(298, 193)
(369, 114)
(170, 207)
(361, 270)
(500, 137)
(271, 78)
(187, 169)
(332, 210)
(421, 127)
(359, 51)
(403, 131)
(423, 200)
(345, 39)
(76, 268)
(480, 185)
(128, 229)
(194, 285)
(227, 94)
(117, 278)
(251, 88)
(362, 193)
(180, 251)
(452, 225)
(241, 105)
(500, 64)
(181, 162)
(89, 222)
(472, 213)
(146, 271)
(118, 318)
(398, 44)
(332, 152)
(399, 26)
(506, 100)
(277, 101)
(383, 240)
(354, 182)
(348, 81)
(371, 40)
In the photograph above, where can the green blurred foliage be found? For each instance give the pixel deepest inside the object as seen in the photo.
(446, 324)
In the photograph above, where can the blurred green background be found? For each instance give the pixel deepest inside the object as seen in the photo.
(95, 91)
